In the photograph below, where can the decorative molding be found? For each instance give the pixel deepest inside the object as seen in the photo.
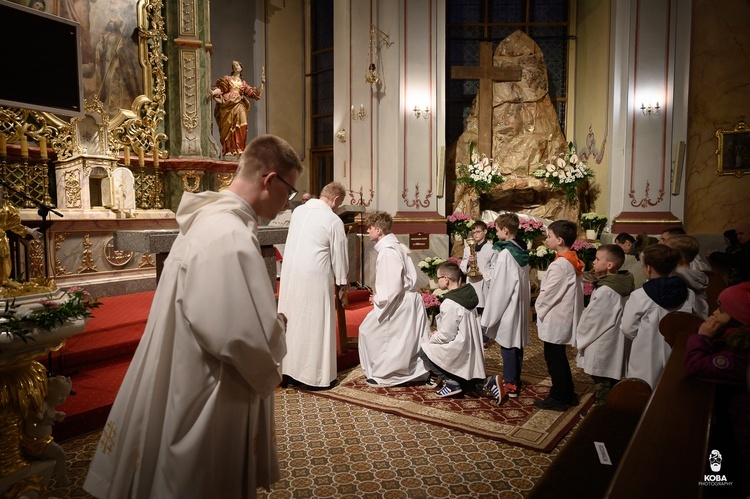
(191, 180)
(187, 18)
(88, 264)
(224, 180)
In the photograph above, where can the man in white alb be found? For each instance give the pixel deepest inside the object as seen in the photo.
(194, 414)
(315, 259)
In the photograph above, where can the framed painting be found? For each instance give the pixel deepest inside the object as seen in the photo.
(734, 150)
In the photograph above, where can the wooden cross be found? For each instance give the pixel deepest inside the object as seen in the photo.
(487, 74)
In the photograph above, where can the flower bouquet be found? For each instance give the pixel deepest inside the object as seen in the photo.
(491, 231)
(529, 230)
(431, 305)
(586, 251)
(565, 173)
(429, 266)
(459, 224)
(541, 257)
(481, 173)
(594, 222)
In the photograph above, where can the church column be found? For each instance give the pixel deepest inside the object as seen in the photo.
(390, 160)
(650, 76)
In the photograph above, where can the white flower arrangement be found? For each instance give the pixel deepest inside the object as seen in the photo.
(541, 257)
(482, 173)
(593, 221)
(565, 172)
(429, 266)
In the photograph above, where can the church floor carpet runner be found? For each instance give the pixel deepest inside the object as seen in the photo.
(517, 422)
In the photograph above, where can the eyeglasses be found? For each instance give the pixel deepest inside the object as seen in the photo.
(292, 191)
(441, 276)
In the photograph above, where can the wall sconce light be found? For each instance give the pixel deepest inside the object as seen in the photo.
(358, 115)
(650, 110)
(422, 113)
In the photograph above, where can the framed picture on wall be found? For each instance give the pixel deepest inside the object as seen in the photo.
(734, 150)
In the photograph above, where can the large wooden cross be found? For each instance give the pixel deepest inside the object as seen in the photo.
(487, 74)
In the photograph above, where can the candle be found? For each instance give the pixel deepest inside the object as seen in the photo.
(127, 156)
(3, 145)
(43, 147)
(24, 147)
(156, 157)
(141, 157)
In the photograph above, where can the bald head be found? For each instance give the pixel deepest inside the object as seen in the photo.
(333, 194)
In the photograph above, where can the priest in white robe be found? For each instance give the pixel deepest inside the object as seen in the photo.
(315, 259)
(391, 333)
(194, 415)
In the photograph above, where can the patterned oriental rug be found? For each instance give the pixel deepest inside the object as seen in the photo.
(517, 422)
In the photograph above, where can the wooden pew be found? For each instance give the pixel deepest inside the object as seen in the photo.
(668, 454)
(578, 471)
(658, 444)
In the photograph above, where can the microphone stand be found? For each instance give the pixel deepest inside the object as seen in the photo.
(43, 211)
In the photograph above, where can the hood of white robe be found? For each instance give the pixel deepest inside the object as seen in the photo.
(194, 207)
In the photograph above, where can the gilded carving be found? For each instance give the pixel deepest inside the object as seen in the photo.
(72, 190)
(189, 94)
(36, 259)
(88, 264)
(224, 180)
(115, 257)
(147, 260)
(59, 239)
(191, 180)
(187, 18)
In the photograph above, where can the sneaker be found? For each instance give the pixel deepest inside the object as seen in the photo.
(371, 381)
(551, 404)
(496, 389)
(448, 391)
(511, 389)
(432, 381)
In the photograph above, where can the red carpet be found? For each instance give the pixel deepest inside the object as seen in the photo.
(98, 358)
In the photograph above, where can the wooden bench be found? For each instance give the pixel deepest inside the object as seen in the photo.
(658, 445)
(578, 471)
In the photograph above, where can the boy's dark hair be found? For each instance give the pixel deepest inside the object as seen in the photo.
(480, 224)
(564, 229)
(508, 220)
(451, 270)
(615, 254)
(623, 237)
(661, 258)
(674, 231)
(731, 234)
(688, 246)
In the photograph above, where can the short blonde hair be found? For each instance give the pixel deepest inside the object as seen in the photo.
(265, 154)
(332, 190)
(381, 220)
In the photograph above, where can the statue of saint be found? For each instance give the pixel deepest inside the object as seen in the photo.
(232, 95)
(10, 220)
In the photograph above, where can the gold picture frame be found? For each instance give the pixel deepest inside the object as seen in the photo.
(734, 150)
(136, 127)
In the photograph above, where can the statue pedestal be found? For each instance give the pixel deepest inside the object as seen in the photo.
(23, 389)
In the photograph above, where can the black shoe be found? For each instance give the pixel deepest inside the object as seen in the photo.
(371, 381)
(551, 404)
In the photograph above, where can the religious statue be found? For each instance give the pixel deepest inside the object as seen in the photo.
(232, 95)
(10, 220)
(37, 441)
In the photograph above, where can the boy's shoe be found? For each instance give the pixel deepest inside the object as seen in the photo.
(496, 389)
(449, 390)
(371, 381)
(432, 381)
(511, 389)
(551, 404)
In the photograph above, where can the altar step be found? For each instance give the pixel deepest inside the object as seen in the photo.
(98, 358)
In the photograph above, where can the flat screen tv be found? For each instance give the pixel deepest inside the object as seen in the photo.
(41, 68)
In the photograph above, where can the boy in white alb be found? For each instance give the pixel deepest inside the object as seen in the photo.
(662, 293)
(558, 308)
(601, 346)
(508, 304)
(696, 280)
(484, 255)
(454, 351)
(391, 333)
